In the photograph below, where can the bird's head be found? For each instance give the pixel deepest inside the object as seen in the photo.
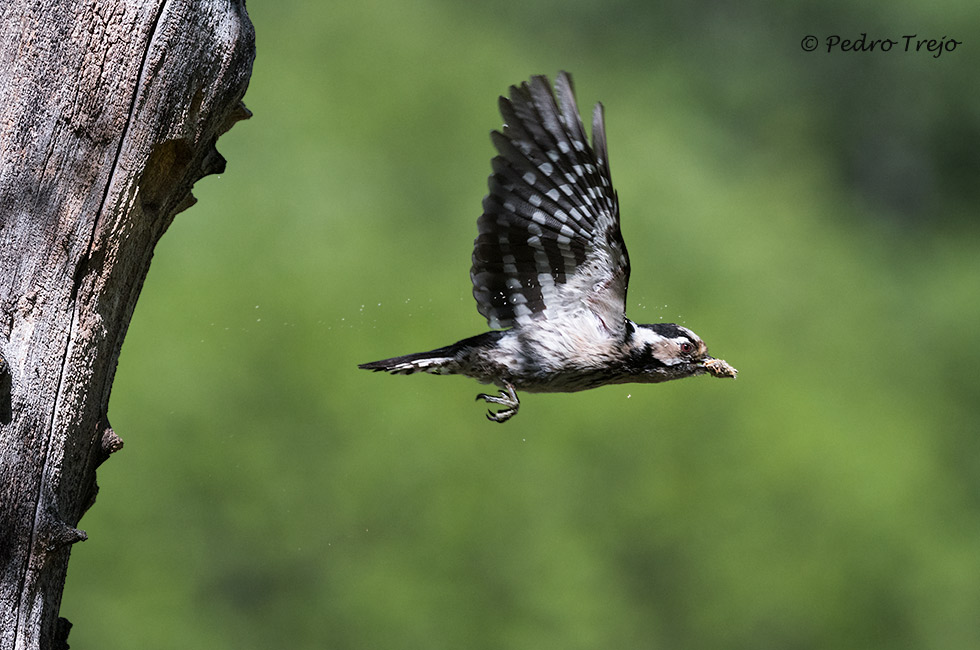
(664, 351)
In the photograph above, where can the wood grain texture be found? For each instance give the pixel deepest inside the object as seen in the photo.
(110, 113)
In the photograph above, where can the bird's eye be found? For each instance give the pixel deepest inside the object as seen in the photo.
(686, 347)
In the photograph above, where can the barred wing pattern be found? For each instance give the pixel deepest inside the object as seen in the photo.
(549, 241)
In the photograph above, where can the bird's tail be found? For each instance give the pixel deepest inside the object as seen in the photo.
(449, 360)
(437, 362)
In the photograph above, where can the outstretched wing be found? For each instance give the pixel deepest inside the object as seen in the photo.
(549, 241)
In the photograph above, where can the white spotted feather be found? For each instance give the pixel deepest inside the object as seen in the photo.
(549, 243)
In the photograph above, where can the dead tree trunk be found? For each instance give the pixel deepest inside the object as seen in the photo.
(109, 112)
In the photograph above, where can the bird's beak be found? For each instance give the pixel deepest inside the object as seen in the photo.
(718, 367)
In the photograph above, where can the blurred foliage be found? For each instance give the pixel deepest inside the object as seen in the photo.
(812, 215)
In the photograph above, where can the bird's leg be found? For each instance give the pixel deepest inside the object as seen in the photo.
(507, 399)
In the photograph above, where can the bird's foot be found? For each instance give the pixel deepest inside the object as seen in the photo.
(507, 399)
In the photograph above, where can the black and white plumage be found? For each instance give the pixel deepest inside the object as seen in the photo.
(550, 268)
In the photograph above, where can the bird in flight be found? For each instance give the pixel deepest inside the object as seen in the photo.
(550, 269)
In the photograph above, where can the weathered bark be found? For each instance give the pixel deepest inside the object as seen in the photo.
(109, 112)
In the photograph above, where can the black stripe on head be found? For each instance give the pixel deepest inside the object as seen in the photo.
(670, 330)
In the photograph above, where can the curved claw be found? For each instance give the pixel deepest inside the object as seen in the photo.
(507, 399)
(501, 416)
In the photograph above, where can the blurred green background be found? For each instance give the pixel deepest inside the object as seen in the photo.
(813, 216)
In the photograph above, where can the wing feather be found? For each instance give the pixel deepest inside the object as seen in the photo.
(549, 241)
